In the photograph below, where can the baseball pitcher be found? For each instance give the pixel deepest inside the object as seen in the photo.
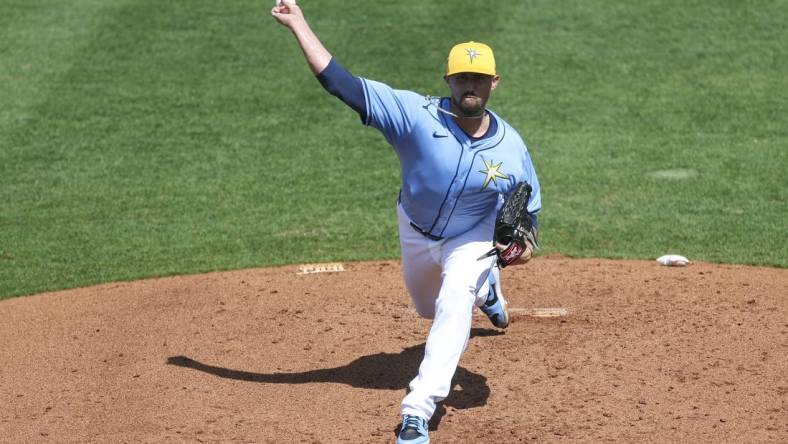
(467, 206)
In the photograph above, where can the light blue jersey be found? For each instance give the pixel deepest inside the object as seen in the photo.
(450, 181)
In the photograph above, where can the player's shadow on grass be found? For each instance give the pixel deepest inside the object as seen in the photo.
(384, 371)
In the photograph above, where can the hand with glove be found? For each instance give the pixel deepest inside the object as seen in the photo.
(515, 237)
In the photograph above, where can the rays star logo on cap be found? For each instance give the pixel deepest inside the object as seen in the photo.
(492, 173)
(472, 53)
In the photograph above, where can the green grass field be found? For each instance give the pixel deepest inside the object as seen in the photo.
(148, 138)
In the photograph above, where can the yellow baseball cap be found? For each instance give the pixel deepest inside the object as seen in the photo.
(471, 57)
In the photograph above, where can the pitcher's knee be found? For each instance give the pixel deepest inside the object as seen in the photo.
(457, 294)
(425, 310)
(426, 313)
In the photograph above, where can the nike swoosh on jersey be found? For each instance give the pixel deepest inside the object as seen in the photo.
(437, 134)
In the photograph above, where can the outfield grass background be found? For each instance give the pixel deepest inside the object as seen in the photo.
(144, 138)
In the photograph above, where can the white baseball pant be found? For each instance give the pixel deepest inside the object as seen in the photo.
(445, 281)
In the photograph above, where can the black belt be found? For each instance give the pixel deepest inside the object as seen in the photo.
(425, 233)
(416, 227)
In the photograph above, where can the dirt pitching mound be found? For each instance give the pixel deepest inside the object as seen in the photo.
(644, 353)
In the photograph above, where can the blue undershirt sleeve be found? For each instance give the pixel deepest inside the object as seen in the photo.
(341, 83)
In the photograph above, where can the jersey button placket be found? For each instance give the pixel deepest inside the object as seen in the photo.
(457, 185)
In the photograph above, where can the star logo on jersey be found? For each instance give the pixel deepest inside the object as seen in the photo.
(472, 54)
(492, 173)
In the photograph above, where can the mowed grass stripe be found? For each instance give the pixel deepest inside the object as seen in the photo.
(41, 41)
(37, 44)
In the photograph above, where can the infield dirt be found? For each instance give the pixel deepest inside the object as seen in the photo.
(646, 354)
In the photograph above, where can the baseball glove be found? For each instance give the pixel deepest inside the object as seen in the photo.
(514, 229)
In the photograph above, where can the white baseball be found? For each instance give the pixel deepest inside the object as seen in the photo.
(279, 2)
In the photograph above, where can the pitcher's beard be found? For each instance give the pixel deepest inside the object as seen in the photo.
(470, 108)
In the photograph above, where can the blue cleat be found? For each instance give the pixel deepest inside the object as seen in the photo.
(414, 430)
(495, 307)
